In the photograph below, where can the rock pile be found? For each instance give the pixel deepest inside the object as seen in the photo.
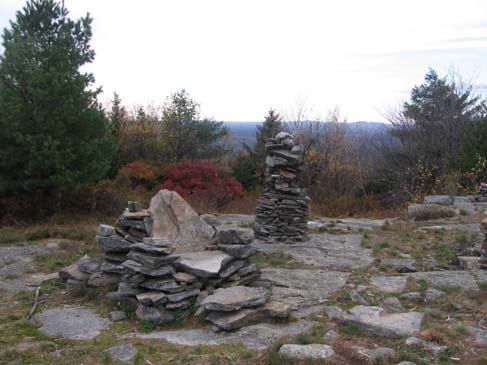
(158, 276)
(282, 213)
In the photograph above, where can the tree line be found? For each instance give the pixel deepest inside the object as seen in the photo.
(58, 142)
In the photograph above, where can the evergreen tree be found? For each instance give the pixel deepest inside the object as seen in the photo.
(117, 116)
(272, 125)
(187, 136)
(54, 132)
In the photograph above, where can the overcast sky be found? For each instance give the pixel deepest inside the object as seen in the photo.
(239, 58)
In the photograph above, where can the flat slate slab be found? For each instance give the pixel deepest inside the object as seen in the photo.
(375, 320)
(73, 323)
(235, 298)
(258, 337)
(337, 252)
(301, 352)
(303, 288)
(389, 284)
(125, 352)
(204, 264)
(450, 279)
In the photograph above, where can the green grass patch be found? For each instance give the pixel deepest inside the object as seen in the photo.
(275, 259)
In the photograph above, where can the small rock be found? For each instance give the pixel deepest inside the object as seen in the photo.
(238, 251)
(101, 279)
(432, 294)
(357, 298)
(118, 315)
(429, 346)
(184, 277)
(330, 337)
(153, 314)
(177, 297)
(301, 352)
(406, 363)
(411, 296)
(469, 262)
(52, 245)
(205, 264)
(149, 298)
(379, 352)
(393, 305)
(89, 265)
(124, 352)
(127, 290)
(389, 284)
(72, 272)
(234, 236)
(105, 230)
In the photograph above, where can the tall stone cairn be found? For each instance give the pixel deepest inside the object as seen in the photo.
(282, 211)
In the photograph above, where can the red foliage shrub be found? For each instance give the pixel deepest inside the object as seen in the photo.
(202, 179)
(138, 172)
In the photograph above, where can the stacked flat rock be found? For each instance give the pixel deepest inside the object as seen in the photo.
(162, 281)
(282, 211)
(238, 306)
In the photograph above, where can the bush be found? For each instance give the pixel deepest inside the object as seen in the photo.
(202, 180)
(138, 173)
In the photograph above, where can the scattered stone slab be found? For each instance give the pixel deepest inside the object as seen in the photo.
(427, 345)
(118, 316)
(415, 295)
(389, 284)
(438, 199)
(302, 352)
(238, 251)
(375, 353)
(258, 337)
(451, 279)
(479, 335)
(125, 352)
(235, 298)
(205, 264)
(432, 294)
(89, 265)
(469, 262)
(74, 273)
(430, 211)
(153, 314)
(330, 337)
(393, 305)
(350, 224)
(38, 279)
(102, 279)
(152, 298)
(401, 265)
(74, 323)
(234, 235)
(357, 298)
(376, 321)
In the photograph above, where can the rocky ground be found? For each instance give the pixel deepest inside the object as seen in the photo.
(362, 292)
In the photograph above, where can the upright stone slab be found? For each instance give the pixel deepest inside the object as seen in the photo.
(282, 211)
(176, 221)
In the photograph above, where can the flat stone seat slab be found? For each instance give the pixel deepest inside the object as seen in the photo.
(73, 323)
(204, 264)
(235, 298)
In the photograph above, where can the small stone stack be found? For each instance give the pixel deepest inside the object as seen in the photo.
(282, 213)
(238, 306)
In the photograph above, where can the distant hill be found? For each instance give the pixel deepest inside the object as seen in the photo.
(244, 132)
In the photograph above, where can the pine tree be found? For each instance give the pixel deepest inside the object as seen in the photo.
(117, 116)
(272, 125)
(54, 132)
